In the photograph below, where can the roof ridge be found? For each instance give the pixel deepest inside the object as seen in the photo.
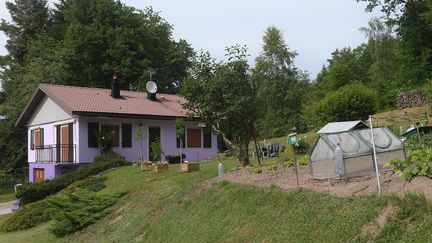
(96, 88)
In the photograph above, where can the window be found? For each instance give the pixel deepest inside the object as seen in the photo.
(207, 143)
(36, 138)
(182, 139)
(126, 135)
(92, 132)
(194, 138)
(115, 133)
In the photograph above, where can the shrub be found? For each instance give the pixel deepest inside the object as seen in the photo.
(288, 163)
(7, 182)
(417, 163)
(34, 192)
(351, 102)
(93, 183)
(75, 211)
(255, 170)
(415, 142)
(272, 167)
(304, 160)
(27, 216)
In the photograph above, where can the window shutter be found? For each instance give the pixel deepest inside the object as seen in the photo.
(41, 137)
(207, 143)
(32, 139)
(92, 132)
(194, 138)
(126, 135)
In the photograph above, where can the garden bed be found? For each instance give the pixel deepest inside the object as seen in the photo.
(286, 179)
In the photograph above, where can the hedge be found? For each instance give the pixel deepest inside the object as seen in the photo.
(27, 216)
(35, 192)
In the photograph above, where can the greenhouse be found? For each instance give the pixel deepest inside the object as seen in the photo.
(355, 142)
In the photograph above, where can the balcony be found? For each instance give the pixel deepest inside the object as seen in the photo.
(56, 153)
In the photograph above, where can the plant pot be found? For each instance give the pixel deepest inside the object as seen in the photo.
(186, 167)
(159, 168)
(146, 166)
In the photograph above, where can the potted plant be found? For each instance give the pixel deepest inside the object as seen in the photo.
(105, 141)
(161, 167)
(189, 167)
(156, 149)
(180, 133)
(146, 165)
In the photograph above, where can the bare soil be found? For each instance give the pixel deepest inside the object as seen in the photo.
(285, 178)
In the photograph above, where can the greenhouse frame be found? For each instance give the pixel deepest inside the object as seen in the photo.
(355, 141)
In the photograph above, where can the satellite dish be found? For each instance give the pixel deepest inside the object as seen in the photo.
(151, 87)
(151, 90)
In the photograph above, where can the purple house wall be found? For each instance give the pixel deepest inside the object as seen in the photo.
(86, 154)
(60, 115)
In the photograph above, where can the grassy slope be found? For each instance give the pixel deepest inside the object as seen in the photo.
(176, 207)
(7, 197)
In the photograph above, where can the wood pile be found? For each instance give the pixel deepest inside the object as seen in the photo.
(414, 98)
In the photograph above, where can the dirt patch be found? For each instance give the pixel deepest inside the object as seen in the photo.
(285, 178)
(374, 228)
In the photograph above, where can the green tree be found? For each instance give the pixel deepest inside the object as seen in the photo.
(345, 67)
(352, 102)
(29, 17)
(280, 85)
(411, 20)
(222, 95)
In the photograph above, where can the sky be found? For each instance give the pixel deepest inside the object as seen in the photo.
(313, 28)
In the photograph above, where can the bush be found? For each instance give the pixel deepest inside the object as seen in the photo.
(351, 102)
(93, 183)
(415, 142)
(288, 164)
(418, 163)
(34, 192)
(255, 170)
(27, 216)
(304, 160)
(272, 167)
(75, 211)
(7, 181)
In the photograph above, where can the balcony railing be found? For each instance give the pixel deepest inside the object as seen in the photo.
(56, 153)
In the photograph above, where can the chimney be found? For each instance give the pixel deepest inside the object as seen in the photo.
(115, 87)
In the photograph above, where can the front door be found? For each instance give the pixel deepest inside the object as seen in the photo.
(39, 175)
(154, 136)
(66, 141)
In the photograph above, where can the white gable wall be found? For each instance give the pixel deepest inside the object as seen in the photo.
(46, 112)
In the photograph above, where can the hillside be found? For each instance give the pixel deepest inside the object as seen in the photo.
(177, 207)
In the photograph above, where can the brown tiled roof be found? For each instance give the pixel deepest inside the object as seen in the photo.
(91, 101)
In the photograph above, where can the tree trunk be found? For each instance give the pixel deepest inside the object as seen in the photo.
(243, 155)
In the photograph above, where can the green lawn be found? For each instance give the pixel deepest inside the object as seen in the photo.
(177, 207)
(7, 197)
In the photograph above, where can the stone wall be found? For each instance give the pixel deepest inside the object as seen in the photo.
(414, 98)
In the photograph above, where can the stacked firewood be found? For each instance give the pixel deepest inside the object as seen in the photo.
(414, 98)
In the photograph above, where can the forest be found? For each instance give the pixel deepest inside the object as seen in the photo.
(82, 43)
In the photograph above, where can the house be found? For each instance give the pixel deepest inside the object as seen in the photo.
(63, 123)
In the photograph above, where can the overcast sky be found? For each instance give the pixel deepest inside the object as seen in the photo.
(314, 28)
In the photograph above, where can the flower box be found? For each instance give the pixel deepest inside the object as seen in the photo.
(186, 167)
(159, 168)
(146, 166)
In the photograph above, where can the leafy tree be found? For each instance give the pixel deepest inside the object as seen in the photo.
(382, 45)
(412, 20)
(352, 102)
(29, 17)
(346, 66)
(280, 85)
(81, 43)
(222, 95)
